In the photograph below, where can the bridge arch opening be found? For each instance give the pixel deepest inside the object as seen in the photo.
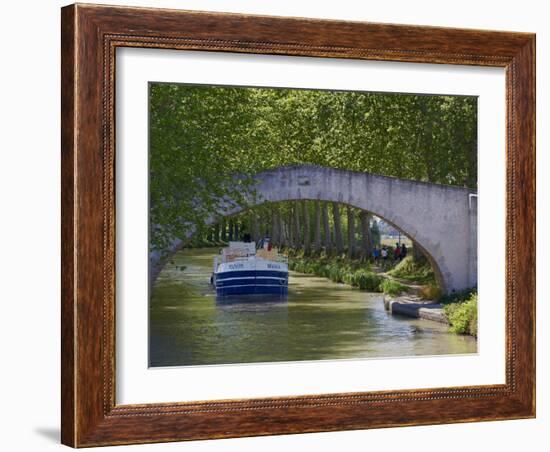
(243, 229)
(441, 220)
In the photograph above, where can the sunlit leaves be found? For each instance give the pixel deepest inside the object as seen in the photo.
(201, 137)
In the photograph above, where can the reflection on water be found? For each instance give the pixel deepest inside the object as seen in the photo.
(319, 320)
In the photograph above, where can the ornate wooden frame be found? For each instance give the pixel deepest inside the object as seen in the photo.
(90, 35)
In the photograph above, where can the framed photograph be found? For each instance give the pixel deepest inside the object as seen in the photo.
(280, 225)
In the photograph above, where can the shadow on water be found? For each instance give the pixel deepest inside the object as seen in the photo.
(250, 300)
(318, 319)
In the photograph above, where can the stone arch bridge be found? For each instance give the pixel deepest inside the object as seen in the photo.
(440, 219)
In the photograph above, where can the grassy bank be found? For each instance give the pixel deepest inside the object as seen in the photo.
(341, 270)
(461, 311)
(393, 288)
(415, 272)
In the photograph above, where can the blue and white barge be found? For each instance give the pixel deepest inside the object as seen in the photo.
(241, 269)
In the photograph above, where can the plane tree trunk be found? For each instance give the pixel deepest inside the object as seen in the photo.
(236, 230)
(317, 227)
(326, 227)
(290, 228)
(351, 233)
(230, 229)
(297, 229)
(255, 232)
(307, 234)
(366, 239)
(283, 237)
(217, 232)
(224, 230)
(210, 234)
(338, 238)
(275, 227)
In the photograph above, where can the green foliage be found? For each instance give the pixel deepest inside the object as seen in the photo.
(201, 137)
(335, 273)
(410, 270)
(393, 288)
(462, 315)
(196, 135)
(461, 311)
(366, 280)
(339, 270)
(430, 292)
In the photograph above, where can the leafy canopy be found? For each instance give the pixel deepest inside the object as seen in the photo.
(202, 137)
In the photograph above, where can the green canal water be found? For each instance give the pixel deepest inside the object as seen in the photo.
(319, 320)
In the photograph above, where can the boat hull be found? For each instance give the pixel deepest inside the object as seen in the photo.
(252, 278)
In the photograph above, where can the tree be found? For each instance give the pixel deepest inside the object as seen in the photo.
(236, 230)
(231, 230)
(283, 231)
(297, 230)
(307, 232)
(255, 232)
(326, 228)
(217, 232)
(223, 229)
(276, 229)
(351, 233)
(366, 240)
(317, 226)
(206, 143)
(338, 239)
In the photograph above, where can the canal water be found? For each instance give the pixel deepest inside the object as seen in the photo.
(319, 320)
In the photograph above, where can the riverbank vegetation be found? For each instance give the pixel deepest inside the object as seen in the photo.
(418, 271)
(461, 311)
(340, 270)
(393, 288)
(355, 273)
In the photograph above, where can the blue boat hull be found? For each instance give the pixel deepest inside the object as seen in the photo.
(251, 282)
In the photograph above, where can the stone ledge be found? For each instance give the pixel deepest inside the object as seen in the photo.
(416, 308)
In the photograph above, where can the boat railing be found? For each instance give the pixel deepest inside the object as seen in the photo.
(230, 258)
(280, 258)
(244, 251)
